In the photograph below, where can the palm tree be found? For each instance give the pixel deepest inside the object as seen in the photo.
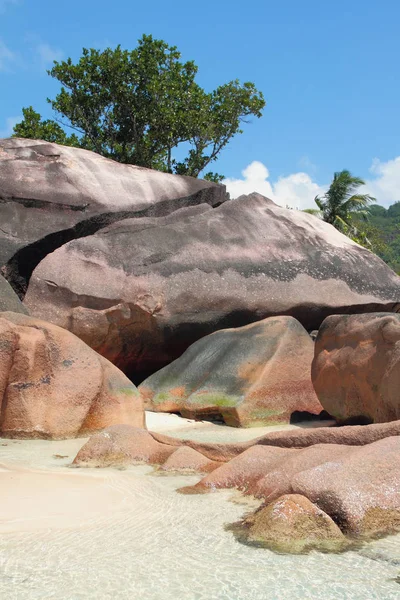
(341, 202)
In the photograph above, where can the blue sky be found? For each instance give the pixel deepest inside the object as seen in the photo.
(329, 72)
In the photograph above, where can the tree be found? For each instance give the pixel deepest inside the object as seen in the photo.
(381, 233)
(139, 106)
(33, 127)
(340, 203)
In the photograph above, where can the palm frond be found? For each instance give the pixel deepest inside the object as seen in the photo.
(358, 202)
(341, 224)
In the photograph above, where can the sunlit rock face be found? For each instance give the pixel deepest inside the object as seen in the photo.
(52, 385)
(356, 370)
(251, 375)
(141, 291)
(52, 194)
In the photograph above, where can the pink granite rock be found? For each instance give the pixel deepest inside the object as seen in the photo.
(52, 385)
(356, 369)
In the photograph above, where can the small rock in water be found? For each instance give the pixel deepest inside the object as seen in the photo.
(292, 525)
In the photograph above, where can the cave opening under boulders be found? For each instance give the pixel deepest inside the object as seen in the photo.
(19, 268)
(300, 416)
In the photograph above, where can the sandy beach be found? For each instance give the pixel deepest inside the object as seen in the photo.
(42, 492)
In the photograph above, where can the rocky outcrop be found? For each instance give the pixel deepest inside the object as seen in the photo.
(125, 445)
(51, 194)
(186, 459)
(251, 375)
(135, 442)
(356, 369)
(142, 293)
(355, 482)
(359, 487)
(52, 385)
(292, 525)
(9, 299)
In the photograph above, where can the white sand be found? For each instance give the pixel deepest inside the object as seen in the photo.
(43, 492)
(162, 422)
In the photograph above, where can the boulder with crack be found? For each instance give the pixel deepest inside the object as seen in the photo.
(52, 194)
(141, 291)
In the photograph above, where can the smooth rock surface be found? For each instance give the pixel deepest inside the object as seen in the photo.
(356, 369)
(137, 442)
(51, 194)
(9, 300)
(251, 375)
(141, 293)
(52, 385)
(293, 525)
(186, 459)
(122, 445)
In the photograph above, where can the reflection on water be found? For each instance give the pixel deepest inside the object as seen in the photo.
(136, 538)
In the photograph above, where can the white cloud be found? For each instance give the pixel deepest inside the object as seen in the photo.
(10, 122)
(7, 57)
(297, 190)
(385, 186)
(255, 179)
(47, 55)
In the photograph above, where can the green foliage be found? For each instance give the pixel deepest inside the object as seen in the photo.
(138, 106)
(381, 233)
(312, 211)
(393, 212)
(33, 127)
(215, 177)
(341, 202)
(373, 226)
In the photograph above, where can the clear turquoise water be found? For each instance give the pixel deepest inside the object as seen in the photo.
(148, 542)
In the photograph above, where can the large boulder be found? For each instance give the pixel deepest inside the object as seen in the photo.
(141, 292)
(52, 385)
(251, 375)
(9, 300)
(356, 369)
(51, 194)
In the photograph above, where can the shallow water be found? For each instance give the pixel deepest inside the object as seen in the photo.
(72, 534)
